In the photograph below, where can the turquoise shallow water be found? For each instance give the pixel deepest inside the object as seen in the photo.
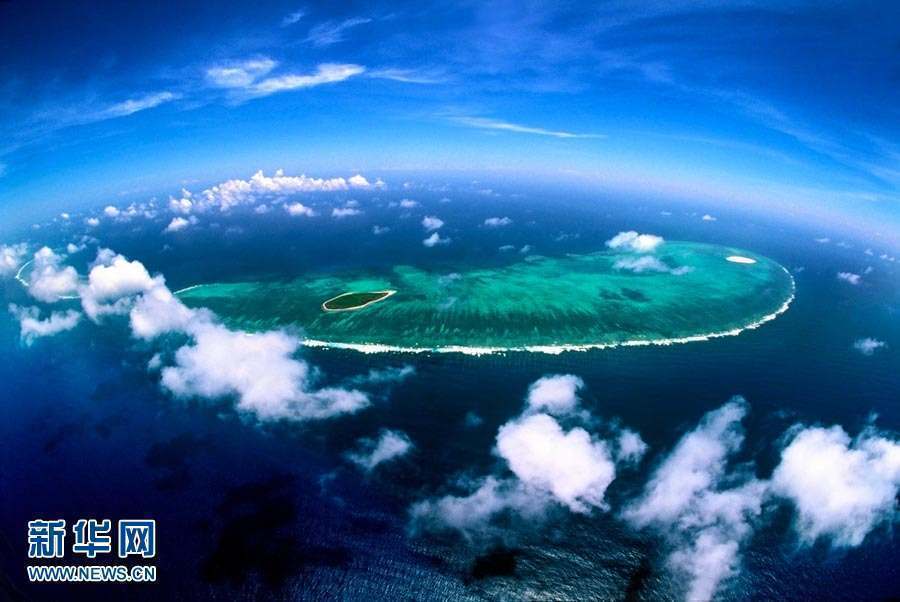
(689, 290)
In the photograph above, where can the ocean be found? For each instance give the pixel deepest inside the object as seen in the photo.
(249, 511)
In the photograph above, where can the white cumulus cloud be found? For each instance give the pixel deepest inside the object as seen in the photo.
(360, 181)
(632, 241)
(574, 467)
(49, 280)
(556, 394)
(234, 192)
(340, 212)
(436, 239)
(849, 277)
(842, 489)
(471, 513)
(868, 345)
(372, 453)
(497, 222)
(11, 257)
(630, 447)
(259, 370)
(704, 511)
(158, 311)
(182, 205)
(389, 375)
(296, 209)
(547, 465)
(112, 284)
(649, 263)
(32, 327)
(431, 222)
(177, 223)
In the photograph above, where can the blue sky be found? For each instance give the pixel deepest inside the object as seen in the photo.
(789, 105)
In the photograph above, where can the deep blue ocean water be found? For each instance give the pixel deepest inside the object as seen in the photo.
(249, 511)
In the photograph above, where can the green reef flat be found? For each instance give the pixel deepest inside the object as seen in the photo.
(682, 292)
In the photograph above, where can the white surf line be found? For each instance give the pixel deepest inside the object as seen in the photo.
(26, 284)
(188, 288)
(21, 280)
(557, 349)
